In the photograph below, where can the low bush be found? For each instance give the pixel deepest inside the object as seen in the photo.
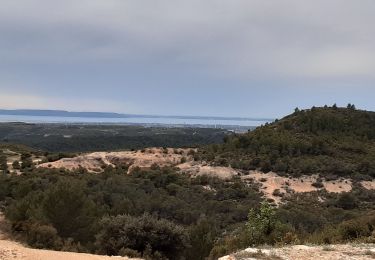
(43, 236)
(141, 234)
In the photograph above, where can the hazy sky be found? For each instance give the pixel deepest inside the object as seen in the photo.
(191, 57)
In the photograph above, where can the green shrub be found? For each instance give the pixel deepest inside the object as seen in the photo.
(352, 229)
(261, 223)
(230, 243)
(318, 184)
(202, 237)
(43, 236)
(129, 253)
(69, 210)
(141, 234)
(347, 201)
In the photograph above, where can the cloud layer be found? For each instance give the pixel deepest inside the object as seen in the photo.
(189, 57)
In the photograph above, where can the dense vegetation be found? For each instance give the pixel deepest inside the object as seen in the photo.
(306, 220)
(83, 138)
(329, 141)
(80, 211)
(161, 214)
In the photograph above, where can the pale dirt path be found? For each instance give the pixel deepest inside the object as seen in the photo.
(11, 250)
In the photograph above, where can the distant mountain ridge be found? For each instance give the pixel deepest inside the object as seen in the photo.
(63, 113)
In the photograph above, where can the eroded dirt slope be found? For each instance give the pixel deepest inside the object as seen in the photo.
(271, 185)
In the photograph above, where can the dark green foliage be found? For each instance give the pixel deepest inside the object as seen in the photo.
(61, 138)
(347, 201)
(202, 238)
(73, 204)
(26, 161)
(129, 253)
(16, 165)
(43, 236)
(68, 209)
(328, 141)
(65, 208)
(304, 219)
(360, 228)
(3, 163)
(263, 226)
(318, 184)
(142, 234)
(353, 229)
(51, 157)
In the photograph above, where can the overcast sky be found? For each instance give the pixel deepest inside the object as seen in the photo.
(192, 57)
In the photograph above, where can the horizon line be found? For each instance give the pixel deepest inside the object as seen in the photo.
(68, 113)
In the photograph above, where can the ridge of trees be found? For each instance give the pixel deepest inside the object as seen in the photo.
(331, 141)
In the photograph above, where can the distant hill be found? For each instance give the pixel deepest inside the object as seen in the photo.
(63, 113)
(58, 113)
(329, 141)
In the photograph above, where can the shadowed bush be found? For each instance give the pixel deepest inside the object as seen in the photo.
(141, 234)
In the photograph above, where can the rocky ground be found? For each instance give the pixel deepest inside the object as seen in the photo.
(298, 252)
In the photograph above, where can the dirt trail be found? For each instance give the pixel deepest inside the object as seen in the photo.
(11, 250)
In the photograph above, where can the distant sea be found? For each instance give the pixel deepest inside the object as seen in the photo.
(133, 120)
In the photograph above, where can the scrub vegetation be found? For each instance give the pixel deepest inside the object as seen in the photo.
(162, 213)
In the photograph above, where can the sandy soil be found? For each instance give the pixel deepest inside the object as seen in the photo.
(11, 157)
(370, 185)
(334, 252)
(272, 185)
(196, 169)
(10, 250)
(94, 162)
(271, 181)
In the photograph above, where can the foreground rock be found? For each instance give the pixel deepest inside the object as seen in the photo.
(332, 252)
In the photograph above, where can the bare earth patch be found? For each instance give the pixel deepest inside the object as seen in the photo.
(197, 169)
(271, 182)
(272, 185)
(94, 162)
(180, 158)
(297, 252)
(370, 185)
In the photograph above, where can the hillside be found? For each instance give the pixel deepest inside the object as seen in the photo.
(202, 203)
(330, 141)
